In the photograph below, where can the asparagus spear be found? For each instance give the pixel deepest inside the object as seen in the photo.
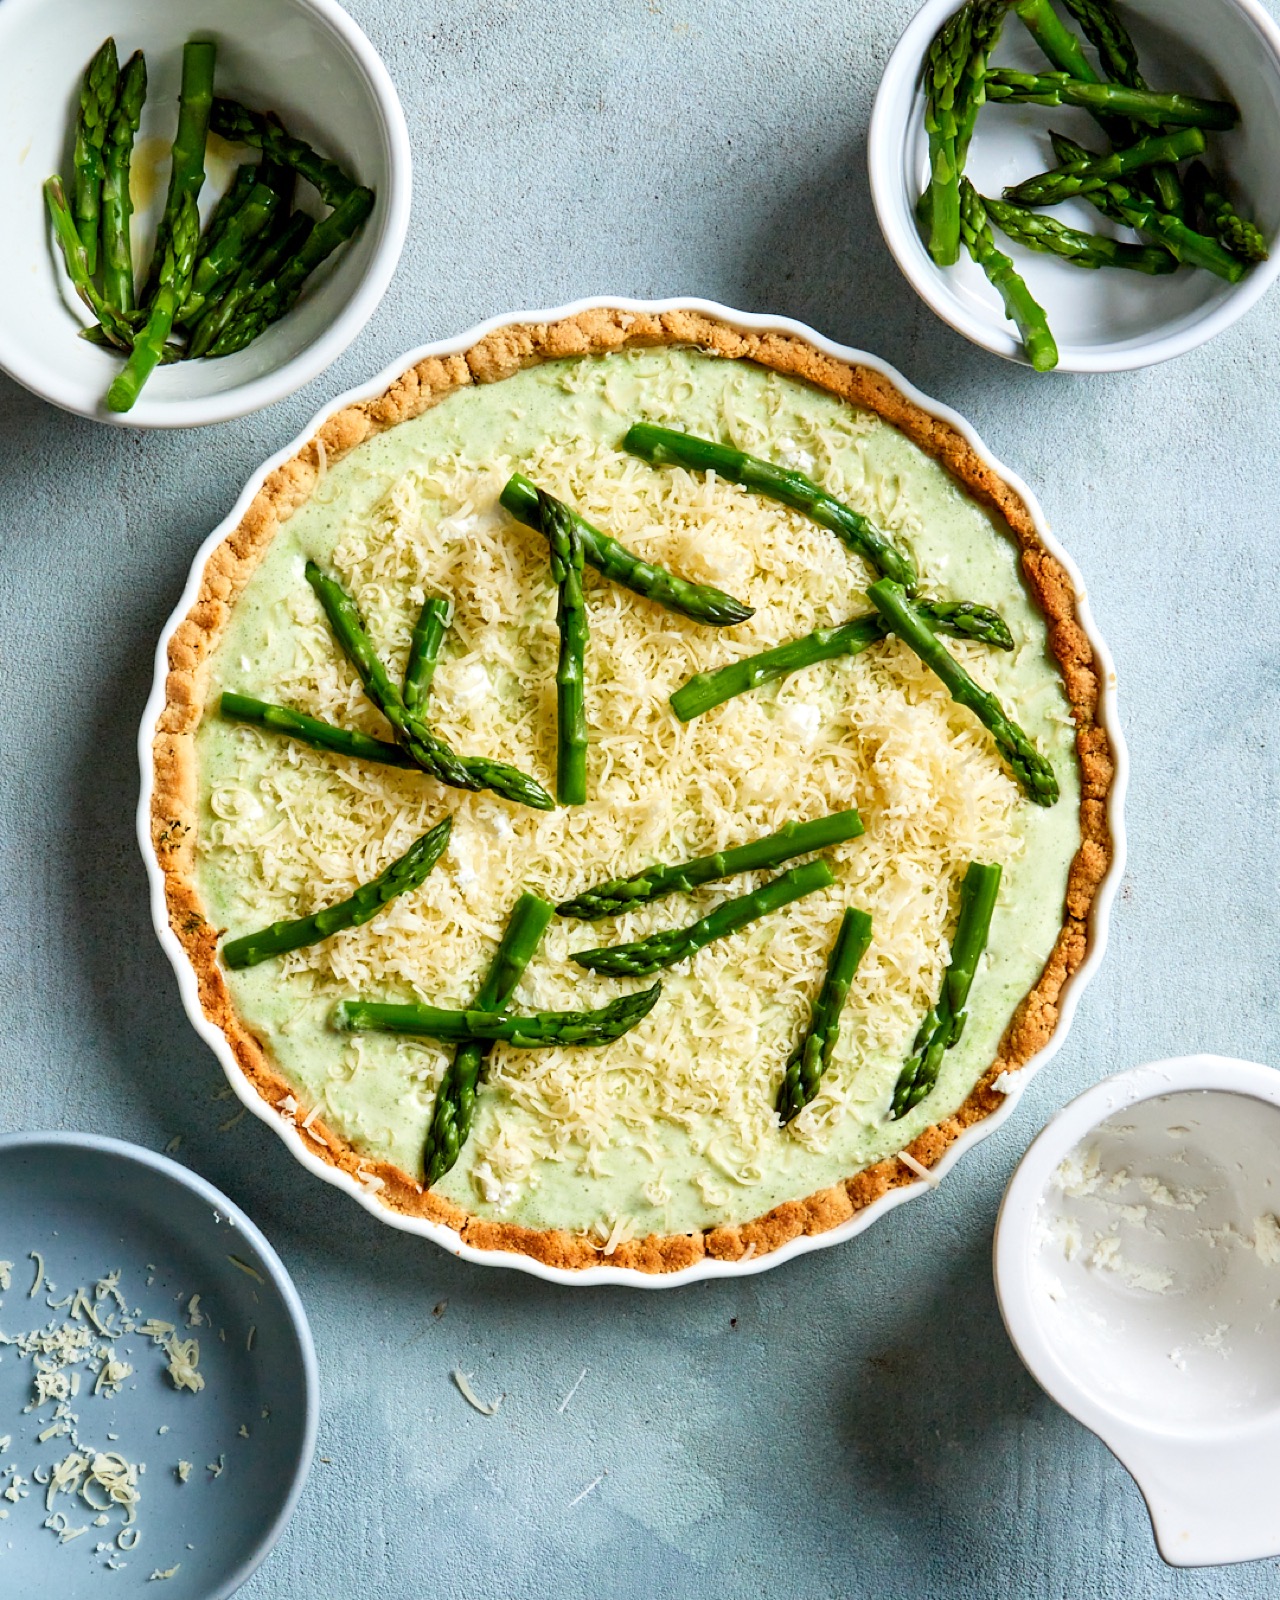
(761, 855)
(117, 205)
(986, 20)
(1038, 232)
(1059, 44)
(424, 651)
(456, 1097)
(224, 257)
(98, 90)
(1020, 306)
(218, 318)
(812, 1056)
(665, 948)
(944, 1022)
(171, 286)
(236, 123)
(1030, 768)
(310, 730)
(427, 749)
(960, 618)
(561, 529)
(1126, 205)
(1109, 37)
(665, 447)
(226, 206)
(114, 327)
(943, 71)
(277, 295)
(1140, 105)
(186, 175)
(542, 1028)
(1085, 177)
(698, 601)
(409, 871)
(1235, 233)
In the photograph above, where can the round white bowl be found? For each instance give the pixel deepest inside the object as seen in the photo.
(1109, 320)
(707, 1268)
(1157, 1323)
(305, 59)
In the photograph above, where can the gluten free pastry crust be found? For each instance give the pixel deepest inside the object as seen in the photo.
(497, 356)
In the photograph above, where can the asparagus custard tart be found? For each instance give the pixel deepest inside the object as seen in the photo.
(631, 792)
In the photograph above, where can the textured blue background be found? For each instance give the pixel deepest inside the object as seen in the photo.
(854, 1423)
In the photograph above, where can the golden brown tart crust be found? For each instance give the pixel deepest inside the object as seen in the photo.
(497, 356)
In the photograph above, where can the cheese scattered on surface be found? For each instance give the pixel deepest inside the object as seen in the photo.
(485, 1408)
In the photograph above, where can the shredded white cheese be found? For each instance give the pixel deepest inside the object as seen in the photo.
(485, 1408)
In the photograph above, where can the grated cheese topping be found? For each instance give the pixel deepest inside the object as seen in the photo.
(290, 830)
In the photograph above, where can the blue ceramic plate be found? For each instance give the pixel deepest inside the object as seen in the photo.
(76, 1210)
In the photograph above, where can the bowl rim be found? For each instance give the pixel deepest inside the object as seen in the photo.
(256, 393)
(885, 140)
(1016, 1224)
(707, 1267)
(281, 1282)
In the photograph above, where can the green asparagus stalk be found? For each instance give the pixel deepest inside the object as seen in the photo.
(986, 21)
(666, 447)
(541, 1029)
(428, 750)
(1059, 44)
(1038, 232)
(1140, 105)
(237, 124)
(944, 1022)
(665, 948)
(561, 529)
(225, 256)
(277, 295)
(1020, 306)
(408, 872)
(186, 175)
(1234, 232)
(1110, 38)
(1030, 768)
(1130, 207)
(812, 1056)
(455, 1104)
(698, 601)
(74, 257)
(311, 731)
(117, 205)
(171, 286)
(761, 855)
(226, 206)
(222, 315)
(960, 618)
(944, 66)
(98, 91)
(1085, 177)
(424, 651)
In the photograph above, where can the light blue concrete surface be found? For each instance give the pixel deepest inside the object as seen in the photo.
(854, 1423)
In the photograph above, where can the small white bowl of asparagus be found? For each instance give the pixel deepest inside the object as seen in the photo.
(206, 206)
(1016, 142)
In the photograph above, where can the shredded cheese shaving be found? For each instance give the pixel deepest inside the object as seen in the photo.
(485, 1408)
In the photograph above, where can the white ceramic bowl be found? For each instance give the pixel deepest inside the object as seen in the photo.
(1141, 1286)
(446, 1237)
(305, 59)
(1105, 321)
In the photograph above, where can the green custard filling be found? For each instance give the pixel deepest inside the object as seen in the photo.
(671, 1129)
